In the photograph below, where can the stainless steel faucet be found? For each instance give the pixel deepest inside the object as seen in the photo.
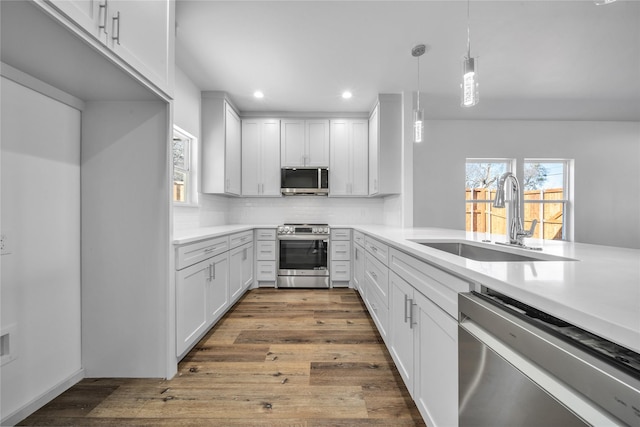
(517, 232)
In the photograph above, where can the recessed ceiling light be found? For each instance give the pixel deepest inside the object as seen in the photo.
(258, 94)
(347, 94)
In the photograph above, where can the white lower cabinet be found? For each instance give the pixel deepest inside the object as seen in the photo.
(401, 327)
(241, 270)
(218, 292)
(358, 268)
(195, 288)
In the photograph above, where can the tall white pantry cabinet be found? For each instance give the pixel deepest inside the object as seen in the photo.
(123, 89)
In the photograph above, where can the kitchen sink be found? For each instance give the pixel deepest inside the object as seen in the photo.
(484, 253)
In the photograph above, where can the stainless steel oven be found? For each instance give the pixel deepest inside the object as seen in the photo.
(303, 256)
(519, 366)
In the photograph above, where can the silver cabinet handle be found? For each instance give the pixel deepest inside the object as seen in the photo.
(103, 12)
(208, 250)
(374, 275)
(406, 312)
(213, 269)
(411, 320)
(116, 24)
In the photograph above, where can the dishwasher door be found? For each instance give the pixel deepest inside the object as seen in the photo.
(494, 393)
(512, 373)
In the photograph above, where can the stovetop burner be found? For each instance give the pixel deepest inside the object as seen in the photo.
(303, 229)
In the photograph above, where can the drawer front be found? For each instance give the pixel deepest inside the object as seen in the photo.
(340, 234)
(199, 251)
(340, 270)
(265, 250)
(265, 234)
(266, 271)
(377, 249)
(358, 238)
(377, 276)
(439, 286)
(341, 250)
(379, 312)
(239, 239)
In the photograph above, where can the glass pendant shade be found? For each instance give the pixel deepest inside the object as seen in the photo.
(418, 125)
(469, 84)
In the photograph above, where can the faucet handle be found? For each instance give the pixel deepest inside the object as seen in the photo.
(529, 233)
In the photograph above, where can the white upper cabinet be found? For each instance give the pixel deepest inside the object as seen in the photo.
(305, 143)
(141, 33)
(385, 145)
(348, 171)
(221, 151)
(260, 157)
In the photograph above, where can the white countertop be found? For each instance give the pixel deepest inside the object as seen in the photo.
(600, 292)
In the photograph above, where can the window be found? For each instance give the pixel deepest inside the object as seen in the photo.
(184, 153)
(546, 197)
(481, 181)
(545, 189)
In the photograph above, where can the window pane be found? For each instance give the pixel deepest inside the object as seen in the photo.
(181, 153)
(482, 177)
(482, 217)
(543, 175)
(179, 186)
(550, 218)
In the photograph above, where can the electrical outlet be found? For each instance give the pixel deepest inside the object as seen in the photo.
(4, 245)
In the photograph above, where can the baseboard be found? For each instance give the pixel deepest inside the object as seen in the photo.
(43, 399)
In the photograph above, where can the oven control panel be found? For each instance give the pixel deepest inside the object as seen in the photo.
(303, 229)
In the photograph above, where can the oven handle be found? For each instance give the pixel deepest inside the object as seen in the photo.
(306, 237)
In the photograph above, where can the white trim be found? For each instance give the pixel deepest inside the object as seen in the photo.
(41, 400)
(30, 82)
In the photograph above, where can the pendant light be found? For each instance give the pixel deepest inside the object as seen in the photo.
(469, 84)
(418, 114)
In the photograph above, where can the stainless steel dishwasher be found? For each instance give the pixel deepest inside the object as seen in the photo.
(519, 366)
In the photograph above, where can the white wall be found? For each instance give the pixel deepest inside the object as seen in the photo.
(607, 170)
(212, 209)
(41, 219)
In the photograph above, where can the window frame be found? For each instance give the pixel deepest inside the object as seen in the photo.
(191, 182)
(566, 201)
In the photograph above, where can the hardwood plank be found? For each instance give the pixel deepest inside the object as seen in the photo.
(272, 372)
(308, 337)
(205, 351)
(328, 353)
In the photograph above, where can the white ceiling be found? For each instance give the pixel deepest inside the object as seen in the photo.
(537, 59)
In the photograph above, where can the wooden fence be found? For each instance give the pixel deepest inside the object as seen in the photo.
(483, 217)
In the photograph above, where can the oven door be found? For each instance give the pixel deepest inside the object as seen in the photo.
(302, 262)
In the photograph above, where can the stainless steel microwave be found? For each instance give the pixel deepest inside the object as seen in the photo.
(304, 181)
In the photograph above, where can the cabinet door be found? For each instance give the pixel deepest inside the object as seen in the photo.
(233, 151)
(317, 143)
(251, 158)
(292, 147)
(359, 157)
(247, 267)
(141, 33)
(401, 327)
(358, 268)
(339, 172)
(218, 289)
(436, 369)
(191, 303)
(88, 14)
(270, 165)
(373, 151)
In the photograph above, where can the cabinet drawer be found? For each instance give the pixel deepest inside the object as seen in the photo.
(341, 270)
(266, 271)
(377, 249)
(377, 276)
(238, 239)
(195, 252)
(340, 234)
(265, 234)
(340, 250)
(439, 286)
(358, 238)
(265, 250)
(379, 312)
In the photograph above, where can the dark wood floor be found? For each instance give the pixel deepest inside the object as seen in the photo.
(278, 358)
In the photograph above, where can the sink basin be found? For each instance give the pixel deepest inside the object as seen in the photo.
(487, 254)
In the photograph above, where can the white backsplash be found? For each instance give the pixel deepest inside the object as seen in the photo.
(213, 210)
(306, 209)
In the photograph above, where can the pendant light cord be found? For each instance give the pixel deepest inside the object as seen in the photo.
(418, 83)
(468, 31)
